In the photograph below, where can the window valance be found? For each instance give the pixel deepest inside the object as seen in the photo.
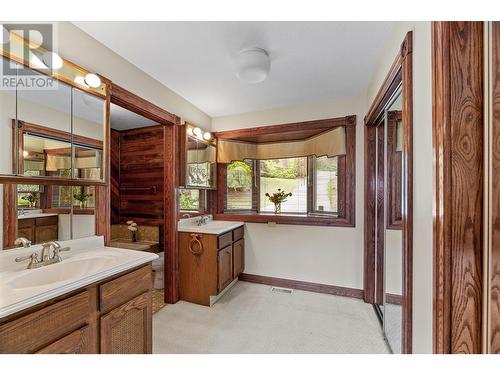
(329, 143)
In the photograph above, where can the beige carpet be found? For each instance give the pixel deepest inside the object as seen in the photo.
(251, 318)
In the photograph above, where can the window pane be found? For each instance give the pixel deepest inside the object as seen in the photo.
(326, 184)
(189, 200)
(289, 175)
(239, 185)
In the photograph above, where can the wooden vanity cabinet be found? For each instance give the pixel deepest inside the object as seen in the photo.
(111, 316)
(205, 273)
(40, 229)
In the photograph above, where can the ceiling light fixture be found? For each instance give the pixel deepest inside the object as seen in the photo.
(253, 65)
(92, 80)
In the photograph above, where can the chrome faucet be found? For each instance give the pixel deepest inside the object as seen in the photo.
(45, 258)
(22, 241)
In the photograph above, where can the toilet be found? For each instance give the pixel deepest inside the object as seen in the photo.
(158, 270)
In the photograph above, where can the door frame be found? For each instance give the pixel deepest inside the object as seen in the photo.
(134, 103)
(400, 73)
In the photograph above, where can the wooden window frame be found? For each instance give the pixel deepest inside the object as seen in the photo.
(346, 184)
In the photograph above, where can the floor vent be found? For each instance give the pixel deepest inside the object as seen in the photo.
(281, 290)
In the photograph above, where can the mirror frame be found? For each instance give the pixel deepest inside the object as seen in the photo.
(400, 74)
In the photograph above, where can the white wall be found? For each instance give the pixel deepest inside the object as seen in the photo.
(422, 171)
(80, 48)
(327, 255)
(83, 226)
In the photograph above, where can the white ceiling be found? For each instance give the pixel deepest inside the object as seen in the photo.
(123, 119)
(310, 61)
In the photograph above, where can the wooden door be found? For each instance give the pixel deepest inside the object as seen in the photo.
(77, 342)
(127, 329)
(238, 257)
(225, 263)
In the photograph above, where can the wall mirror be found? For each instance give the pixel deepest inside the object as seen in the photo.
(393, 240)
(57, 132)
(44, 213)
(199, 170)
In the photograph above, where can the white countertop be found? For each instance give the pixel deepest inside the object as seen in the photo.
(87, 262)
(212, 227)
(33, 214)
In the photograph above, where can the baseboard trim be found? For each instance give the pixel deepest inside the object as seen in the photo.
(394, 299)
(303, 285)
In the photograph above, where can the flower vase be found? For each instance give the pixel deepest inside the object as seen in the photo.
(82, 204)
(277, 208)
(134, 236)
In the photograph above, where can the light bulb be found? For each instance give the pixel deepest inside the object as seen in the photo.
(81, 81)
(25, 153)
(92, 80)
(52, 60)
(207, 136)
(197, 131)
(190, 131)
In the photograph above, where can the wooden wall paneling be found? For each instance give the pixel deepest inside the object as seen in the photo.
(142, 168)
(458, 199)
(9, 215)
(494, 324)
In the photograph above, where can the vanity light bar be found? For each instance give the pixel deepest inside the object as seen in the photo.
(199, 133)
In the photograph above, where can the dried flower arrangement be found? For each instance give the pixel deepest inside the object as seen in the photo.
(132, 227)
(278, 198)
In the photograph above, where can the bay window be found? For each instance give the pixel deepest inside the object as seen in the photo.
(314, 161)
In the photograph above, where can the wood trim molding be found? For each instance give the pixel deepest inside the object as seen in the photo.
(400, 73)
(135, 103)
(324, 124)
(457, 67)
(303, 285)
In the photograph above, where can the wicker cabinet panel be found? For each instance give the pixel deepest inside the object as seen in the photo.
(127, 329)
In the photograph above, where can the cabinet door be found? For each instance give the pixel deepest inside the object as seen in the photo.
(46, 233)
(238, 257)
(225, 263)
(28, 233)
(77, 342)
(127, 328)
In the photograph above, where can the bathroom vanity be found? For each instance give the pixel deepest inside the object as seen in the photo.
(97, 300)
(211, 257)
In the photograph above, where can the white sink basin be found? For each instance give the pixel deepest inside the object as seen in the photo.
(57, 272)
(212, 227)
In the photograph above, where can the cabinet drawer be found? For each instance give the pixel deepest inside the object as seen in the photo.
(25, 223)
(37, 329)
(77, 342)
(48, 220)
(238, 233)
(124, 288)
(224, 239)
(28, 233)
